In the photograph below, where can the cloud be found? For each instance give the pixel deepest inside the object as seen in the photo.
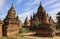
(2, 2)
(49, 2)
(19, 1)
(53, 13)
(30, 4)
(24, 15)
(57, 5)
(53, 9)
(28, 13)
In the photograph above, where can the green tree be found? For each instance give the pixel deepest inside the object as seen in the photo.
(36, 23)
(58, 21)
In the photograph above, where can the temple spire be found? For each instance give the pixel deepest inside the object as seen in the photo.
(40, 8)
(12, 8)
(11, 12)
(12, 5)
(40, 4)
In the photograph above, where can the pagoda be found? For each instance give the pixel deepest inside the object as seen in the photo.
(27, 22)
(44, 24)
(12, 24)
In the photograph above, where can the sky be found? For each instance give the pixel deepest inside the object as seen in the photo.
(26, 8)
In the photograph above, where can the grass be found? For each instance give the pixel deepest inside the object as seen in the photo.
(15, 37)
(8, 38)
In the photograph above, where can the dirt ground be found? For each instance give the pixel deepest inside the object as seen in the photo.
(30, 35)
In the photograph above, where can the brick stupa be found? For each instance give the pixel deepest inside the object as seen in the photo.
(12, 24)
(45, 23)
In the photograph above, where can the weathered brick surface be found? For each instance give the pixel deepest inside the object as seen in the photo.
(0, 29)
(42, 20)
(12, 24)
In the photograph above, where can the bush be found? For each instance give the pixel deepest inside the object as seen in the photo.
(32, 28)
(21, 30)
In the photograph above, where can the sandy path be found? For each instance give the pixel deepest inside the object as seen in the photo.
(27, 35)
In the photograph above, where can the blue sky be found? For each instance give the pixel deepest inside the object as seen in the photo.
(25, 8)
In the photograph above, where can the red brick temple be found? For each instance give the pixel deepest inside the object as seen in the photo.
(45, 24)
(11, 24)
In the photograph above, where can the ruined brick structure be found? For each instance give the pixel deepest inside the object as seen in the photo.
(45, 23)
(11, 24)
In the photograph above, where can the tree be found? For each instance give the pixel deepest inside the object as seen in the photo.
(35, 24)
(58, 21)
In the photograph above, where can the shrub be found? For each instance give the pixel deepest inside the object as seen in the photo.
(21, 30)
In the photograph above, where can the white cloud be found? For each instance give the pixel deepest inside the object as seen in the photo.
(53, 13)
(55, 5)
(2, 3)
(49, 2)
(27, 13)
(30, 4)
(23, 15)
(19, 1)
(54, 8)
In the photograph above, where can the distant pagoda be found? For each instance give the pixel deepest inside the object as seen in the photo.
(44, 24)
(12, 24)
(27, 22)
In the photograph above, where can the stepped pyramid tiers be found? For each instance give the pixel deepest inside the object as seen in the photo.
(11, 13)
(27, 22)
(41, 14)
(12, 24)
(44, 23)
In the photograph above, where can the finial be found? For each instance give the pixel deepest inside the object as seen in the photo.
(40, 3)
(12, 4)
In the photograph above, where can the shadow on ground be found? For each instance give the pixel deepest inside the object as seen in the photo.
(34, 35)
(58, 34)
